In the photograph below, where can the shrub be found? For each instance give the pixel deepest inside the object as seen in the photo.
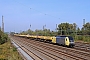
(3, 37)
(84, 38)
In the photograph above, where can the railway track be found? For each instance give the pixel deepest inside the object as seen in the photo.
(31, 54)
(41, 53)
(82, 46)
(53, 51)
(77, 53)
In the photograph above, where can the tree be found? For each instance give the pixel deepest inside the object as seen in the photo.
(79, 31)
(66, 28)
(86, 29)
(3, 37)
(74, 26)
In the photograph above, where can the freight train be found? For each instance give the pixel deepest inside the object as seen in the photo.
(61, 40)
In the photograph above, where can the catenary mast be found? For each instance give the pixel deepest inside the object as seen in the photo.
(2, 24)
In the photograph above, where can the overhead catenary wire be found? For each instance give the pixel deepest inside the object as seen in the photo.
(38, 11)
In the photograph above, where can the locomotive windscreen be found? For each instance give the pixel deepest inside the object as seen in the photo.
(71, 39)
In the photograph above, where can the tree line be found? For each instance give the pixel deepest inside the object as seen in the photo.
(68, 29)
(62, 29)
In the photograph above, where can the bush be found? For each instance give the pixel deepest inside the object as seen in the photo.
(84, 38)
(3, 37)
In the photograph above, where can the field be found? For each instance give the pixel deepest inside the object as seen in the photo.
(9, 52)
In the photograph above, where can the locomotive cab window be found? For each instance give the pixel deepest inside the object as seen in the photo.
(66, 39)
(71, 39)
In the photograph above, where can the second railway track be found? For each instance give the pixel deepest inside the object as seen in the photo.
(82, 46)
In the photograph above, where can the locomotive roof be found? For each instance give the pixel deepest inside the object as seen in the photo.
(62, 36)
(70, 37)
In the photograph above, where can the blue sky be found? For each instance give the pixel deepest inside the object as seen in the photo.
(19, 14)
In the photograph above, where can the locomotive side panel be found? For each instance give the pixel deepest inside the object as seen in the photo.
(60, 40)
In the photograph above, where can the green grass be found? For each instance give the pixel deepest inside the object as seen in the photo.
(9, 52)
(83, 38)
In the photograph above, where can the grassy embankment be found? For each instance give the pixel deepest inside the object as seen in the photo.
(9, 52)
(83, 38)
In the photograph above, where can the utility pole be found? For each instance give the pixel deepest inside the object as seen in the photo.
(76, 29)
(83, 25)
(30, 25)
(61, 30)
(56, 27)
(30, 30)
(2, 24)
(83, 22)
(44, 29)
